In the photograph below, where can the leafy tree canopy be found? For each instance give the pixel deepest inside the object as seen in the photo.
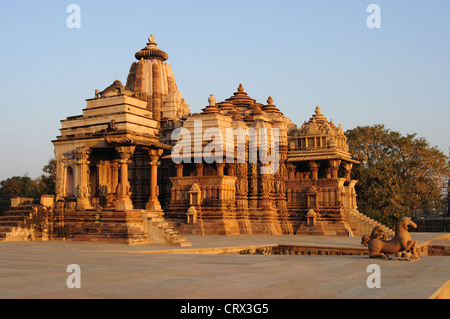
(398, 175)
(24, 186)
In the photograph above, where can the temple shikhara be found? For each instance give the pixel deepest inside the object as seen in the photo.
(118, 180)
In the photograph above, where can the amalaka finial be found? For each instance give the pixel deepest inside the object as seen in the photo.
(212, 100)
(270, 108)
(240, 88)
(318, 110)
(151, 51)
(212, 107)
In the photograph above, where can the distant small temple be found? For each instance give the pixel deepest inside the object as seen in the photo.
(118, 179)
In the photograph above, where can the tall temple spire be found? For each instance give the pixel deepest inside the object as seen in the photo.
(152, 80)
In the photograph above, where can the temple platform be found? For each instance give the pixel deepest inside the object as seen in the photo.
(221, 267)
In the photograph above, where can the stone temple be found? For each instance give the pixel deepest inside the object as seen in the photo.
(118, 180)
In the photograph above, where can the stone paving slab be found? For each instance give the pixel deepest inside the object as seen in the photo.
(38, 270)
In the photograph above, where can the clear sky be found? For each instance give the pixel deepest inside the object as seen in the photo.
(302, 53)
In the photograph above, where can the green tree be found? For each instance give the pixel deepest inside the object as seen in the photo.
(24, 186)
(398, 175)
(16, 186)
(46, 182)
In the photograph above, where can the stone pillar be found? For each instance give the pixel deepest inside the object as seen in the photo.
(199, 169)
(153, 202)
(314, 168)
(266, 182)
(351, 186)
(114, 176)
(220, 167)
(123, 188)
(253, 185)
(103, 185)
(231, 169)
(60, 182)
(102, 171)
(328, 172)
(291, 171)
(334, 165)
(347, 170)
(179, 167)
(84, 189)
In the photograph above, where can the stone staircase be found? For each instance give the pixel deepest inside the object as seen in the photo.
(31, 222)
(101, 226)
(16, 224)
(135, 227)
(162, 231)
(363, 225)
(325, 227)
(336, 228)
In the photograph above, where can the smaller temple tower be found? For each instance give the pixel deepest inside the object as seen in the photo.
(319, 188)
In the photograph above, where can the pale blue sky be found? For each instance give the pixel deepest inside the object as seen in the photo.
(302, 53)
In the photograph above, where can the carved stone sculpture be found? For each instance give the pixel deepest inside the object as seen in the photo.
(401, 242)
(377, 232)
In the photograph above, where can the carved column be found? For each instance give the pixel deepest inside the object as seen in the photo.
(266, 182)
(199, 169)
(253, 185)
(241, 185)
(347, 170)
(280, 189)
(103, 185)
(291, 171)
(231, 169)
(102, 171)
(328, 172)
(179, 168)
(153, 202)
(123, 188)
(334, 165)
(314, 168)
(114, 176)
(84, 189)
(220, 167)
(242, 198)
(60, 182)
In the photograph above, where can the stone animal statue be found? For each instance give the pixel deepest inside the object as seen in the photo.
(377, 232)
(401, 242)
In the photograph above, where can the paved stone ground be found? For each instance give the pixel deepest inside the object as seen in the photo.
(38, 270)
